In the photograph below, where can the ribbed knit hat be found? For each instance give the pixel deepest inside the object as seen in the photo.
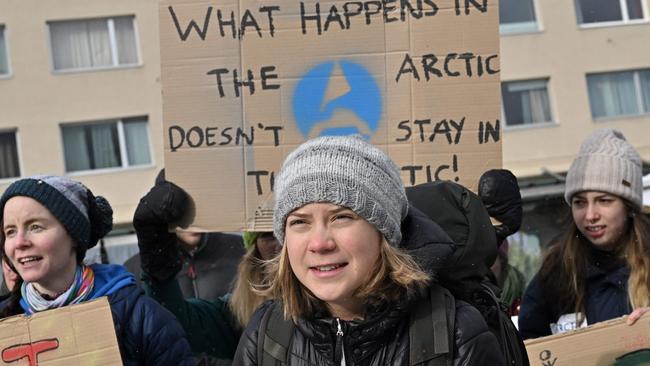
(608, 163)
(346, 171)
(85, 217)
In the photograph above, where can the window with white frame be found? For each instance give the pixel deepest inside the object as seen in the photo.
(4, 58)
(9, 166)
(609, 11)
(617, 94)
(108, 144)
(93, 43)
(516, 16)
(526, 102)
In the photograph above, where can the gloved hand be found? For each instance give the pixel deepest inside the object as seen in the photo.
(160, 255)
(499, 191)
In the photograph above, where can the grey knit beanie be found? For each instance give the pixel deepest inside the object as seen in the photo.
(85, 217)
(607, 163)
(346, 171)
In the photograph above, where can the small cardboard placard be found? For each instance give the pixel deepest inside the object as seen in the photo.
(246, 81)
(81, 334)
(597, 345)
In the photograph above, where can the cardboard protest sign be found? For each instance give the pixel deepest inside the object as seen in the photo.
(244, 82)
(597, 345)
(72, 335)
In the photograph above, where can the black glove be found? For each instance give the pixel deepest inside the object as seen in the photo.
(159, 253)
(499, 191)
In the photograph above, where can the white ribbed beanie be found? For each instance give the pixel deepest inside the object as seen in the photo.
(607, 163)
(346, 171)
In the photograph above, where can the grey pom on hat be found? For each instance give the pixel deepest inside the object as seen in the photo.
(346, 171)
(85, 217)
(608, 163)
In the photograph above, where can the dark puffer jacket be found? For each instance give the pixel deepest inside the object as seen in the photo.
(382, 338)
(606, 297)
(147, 333)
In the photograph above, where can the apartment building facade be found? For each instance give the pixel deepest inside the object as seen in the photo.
(80, 94)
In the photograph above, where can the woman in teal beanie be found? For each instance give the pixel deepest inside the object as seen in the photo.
(48, 224)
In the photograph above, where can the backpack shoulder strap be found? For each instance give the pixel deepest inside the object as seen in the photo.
(431, 328)
(274, 337)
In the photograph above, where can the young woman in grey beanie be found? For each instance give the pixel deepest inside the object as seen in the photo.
(345, 285)
(600, 267)
(48, 223)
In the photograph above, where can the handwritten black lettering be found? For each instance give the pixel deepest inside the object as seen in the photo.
(487, 130)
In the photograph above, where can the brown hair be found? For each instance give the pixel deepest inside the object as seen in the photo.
(563, 269)
(244, 300)
(396, 276)
(12, 304)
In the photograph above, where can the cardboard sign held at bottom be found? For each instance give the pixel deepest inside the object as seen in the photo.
(81, 334)
(597, 345)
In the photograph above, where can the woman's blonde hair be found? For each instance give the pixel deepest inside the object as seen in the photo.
(396, 276)
(564, 266)
(244, 300)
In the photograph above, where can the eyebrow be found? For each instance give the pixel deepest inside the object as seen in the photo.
(334, 211)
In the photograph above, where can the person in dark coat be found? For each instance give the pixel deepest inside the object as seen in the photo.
(214, 325)
(209, 261)
(598, 270)
(343, 277)
(48, 224)
(501, 196)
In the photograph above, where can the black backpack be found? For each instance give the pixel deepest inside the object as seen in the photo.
(463, 217)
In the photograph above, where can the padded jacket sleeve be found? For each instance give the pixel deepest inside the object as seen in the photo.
(535, 316)
(147, 333)
(475, 344)
(210, 327)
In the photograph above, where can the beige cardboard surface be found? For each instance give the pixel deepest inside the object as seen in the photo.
(596, 345)
(244, 82)
(73, 335)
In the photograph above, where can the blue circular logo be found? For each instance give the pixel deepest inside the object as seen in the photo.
(325, 104)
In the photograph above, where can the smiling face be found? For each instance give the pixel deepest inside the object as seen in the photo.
(333, 252)
(601, 217)
(38, 245)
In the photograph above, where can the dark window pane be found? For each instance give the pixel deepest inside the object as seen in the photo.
(105, 146)
(645, 89)
(8, 155)
(516, 11)
(612, 94)
(88, 147)
(594, 11)
(4, 63)
(526, 102)
(634, 9)
(136, 138)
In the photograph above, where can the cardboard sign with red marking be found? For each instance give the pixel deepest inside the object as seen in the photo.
(81, 334)
(244, 82)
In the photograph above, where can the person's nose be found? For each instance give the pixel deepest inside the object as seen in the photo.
(321, 240)
(593, 213)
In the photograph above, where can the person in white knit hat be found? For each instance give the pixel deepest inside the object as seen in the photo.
(600, 267)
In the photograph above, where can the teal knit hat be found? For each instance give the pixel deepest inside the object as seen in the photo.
(85, 217)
